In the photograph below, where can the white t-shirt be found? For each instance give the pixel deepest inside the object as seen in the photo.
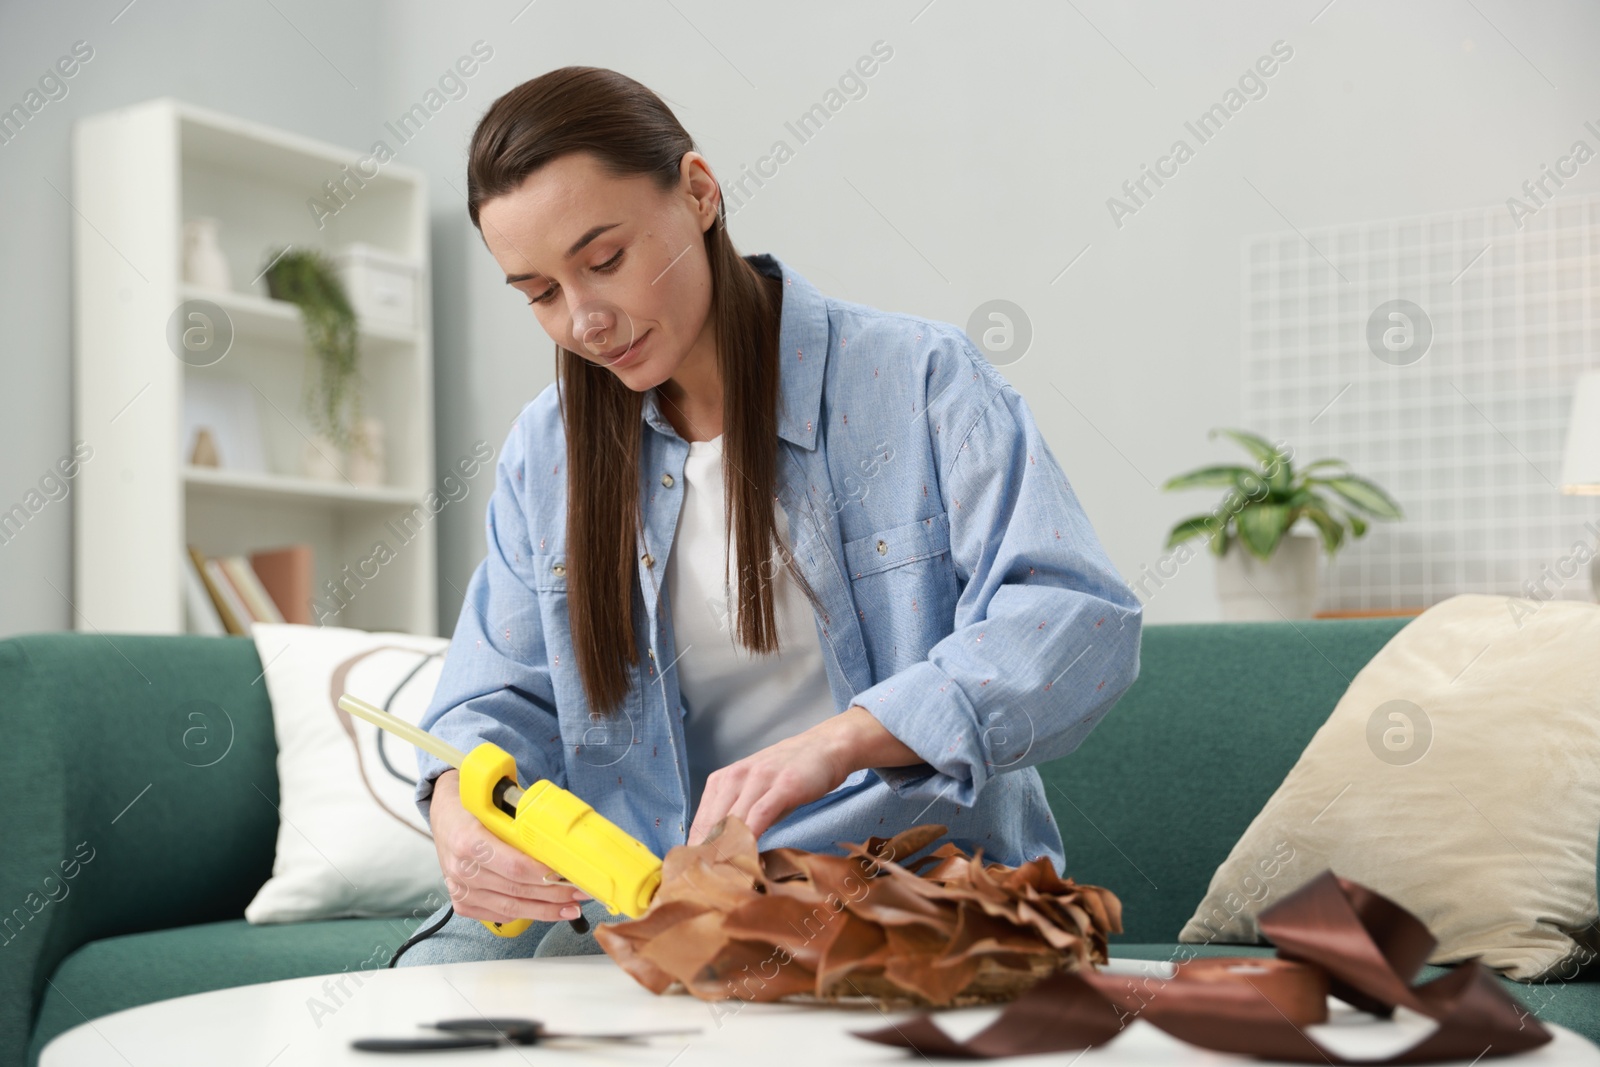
(736, 702)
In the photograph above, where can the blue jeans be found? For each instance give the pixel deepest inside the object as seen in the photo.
(468, 940)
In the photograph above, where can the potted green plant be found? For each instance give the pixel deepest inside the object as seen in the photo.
(1265, 570)
(332, 396)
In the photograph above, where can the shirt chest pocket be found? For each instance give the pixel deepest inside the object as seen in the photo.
(904, 585)
(898, 546)
(547, 577)
(549, 572)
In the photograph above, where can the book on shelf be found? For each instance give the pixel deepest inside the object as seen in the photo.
(250, 590)
(203, 616)
(287, 574)
(242, 591)
(230, 609)
(234, 614)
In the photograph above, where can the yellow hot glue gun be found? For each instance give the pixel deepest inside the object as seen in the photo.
(544, 821)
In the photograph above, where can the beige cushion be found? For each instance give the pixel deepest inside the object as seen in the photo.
(351, 841)
(1459, 776)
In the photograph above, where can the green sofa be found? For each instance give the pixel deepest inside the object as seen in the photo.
(94, 765)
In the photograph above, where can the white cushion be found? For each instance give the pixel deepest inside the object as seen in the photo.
(1459, 775)
(350, 839)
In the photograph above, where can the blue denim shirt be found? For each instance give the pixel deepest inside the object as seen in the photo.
(966, 602)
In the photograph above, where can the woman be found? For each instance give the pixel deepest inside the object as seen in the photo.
(757, 552)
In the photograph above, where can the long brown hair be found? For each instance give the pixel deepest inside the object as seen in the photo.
(630, 131)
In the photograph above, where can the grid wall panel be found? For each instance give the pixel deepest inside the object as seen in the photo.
(1469, 437)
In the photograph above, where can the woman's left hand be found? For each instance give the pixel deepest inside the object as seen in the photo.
(765, 786)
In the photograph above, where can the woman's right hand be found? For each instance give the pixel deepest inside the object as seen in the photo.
(487, 878)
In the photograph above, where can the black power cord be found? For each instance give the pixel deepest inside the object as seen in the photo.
(423, 935)
(580, 925)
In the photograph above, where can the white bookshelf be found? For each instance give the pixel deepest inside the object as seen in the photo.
(138, 173)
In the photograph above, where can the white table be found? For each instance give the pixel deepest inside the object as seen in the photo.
(311, 1021)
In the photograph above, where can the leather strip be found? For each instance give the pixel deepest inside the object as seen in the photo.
(1365, 947)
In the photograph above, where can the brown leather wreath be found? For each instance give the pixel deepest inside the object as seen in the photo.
(730, 922)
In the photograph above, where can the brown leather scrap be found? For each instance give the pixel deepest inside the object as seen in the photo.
(1365, 947)
(730, 922)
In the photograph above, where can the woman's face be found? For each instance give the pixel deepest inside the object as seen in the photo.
(611, 262)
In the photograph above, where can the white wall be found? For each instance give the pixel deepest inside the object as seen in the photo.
(977, 166)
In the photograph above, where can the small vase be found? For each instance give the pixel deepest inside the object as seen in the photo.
(204, 453)
(367, 460)
(204, 265)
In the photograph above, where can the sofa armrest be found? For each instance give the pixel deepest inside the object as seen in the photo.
(117, 816)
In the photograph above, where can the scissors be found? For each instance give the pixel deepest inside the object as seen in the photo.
(494, 1033)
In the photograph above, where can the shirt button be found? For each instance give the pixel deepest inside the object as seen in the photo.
(882, 548)
(560, 569)
(666, 480)
(649, 560)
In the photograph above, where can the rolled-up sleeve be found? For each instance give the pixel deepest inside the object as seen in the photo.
(496, 684)
(1046, 633)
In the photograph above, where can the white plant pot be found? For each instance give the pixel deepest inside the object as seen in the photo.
(1283, 587)
(368, 466)
(320, 459)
